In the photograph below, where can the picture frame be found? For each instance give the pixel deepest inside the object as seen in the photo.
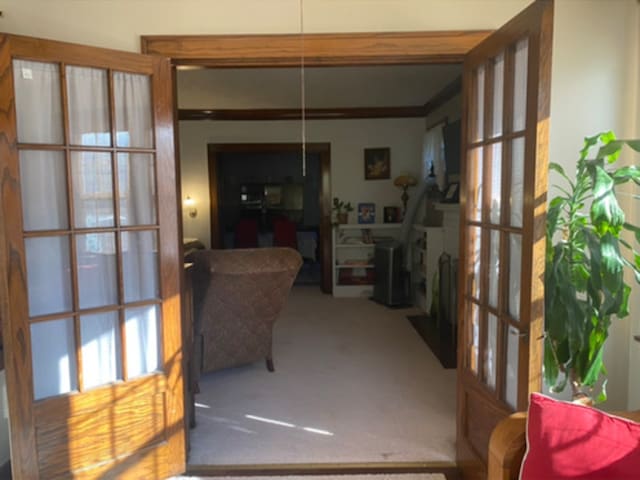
(391, 214)
(366, 213)
(452, 194)
(377, 163)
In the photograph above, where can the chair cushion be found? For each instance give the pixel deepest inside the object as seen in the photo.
(571, 441)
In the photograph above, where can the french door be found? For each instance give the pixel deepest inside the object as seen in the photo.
(503, 203)
(89, 262)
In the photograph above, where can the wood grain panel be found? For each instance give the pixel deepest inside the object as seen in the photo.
(171, 265)
(47, 410)
(324, 49)
(148, 463)
(483, 416)
(326, 248)
(13, 284)
(80, 441)
(45, 50)
(214, 200)
(536, 202)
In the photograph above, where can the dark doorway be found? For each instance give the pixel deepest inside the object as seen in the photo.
(263, 183)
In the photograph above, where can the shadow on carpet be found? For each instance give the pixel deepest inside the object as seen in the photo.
(440, 343)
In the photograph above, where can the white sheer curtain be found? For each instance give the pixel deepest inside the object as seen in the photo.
(101, 355)
(44, 190)
(433, 155)
(134, 124)
(142, 331)
(38, 102)
(45, 197)
(88, 94)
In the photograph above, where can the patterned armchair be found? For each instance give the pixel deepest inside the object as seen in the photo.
(238, 295)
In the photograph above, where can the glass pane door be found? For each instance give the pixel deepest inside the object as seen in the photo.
(87, 161)
(494, 219)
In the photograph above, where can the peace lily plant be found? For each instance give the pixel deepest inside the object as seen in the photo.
(586, 258)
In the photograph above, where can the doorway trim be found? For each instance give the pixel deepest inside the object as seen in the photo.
(320, 49)
(324, 198)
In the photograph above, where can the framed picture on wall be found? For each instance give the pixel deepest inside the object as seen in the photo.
(377, 163)
(366, 213)
(391, 214)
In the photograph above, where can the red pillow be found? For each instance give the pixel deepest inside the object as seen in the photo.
(569, 441)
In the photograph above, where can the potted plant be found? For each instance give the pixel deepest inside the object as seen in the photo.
(342, 210)
(586, 258)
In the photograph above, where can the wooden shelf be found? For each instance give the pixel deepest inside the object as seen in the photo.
(355, 245)
(360, 226)
(348, 265)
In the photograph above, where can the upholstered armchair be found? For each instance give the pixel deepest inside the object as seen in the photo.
(238, 296)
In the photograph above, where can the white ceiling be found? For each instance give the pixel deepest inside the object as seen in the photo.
(246, 88)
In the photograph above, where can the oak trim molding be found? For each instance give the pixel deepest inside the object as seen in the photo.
(320, 49)
(337, 113)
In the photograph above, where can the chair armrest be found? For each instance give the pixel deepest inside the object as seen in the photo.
(507, 446)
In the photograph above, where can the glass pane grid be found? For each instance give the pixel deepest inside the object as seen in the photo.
(79, 245)
(498, 95)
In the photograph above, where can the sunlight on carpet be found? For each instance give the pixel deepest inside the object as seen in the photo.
(354, 382)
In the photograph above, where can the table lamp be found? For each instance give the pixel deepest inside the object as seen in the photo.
(404, 182)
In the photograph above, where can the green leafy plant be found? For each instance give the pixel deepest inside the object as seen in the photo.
(341, 207)
(341, 210)
(586, 258)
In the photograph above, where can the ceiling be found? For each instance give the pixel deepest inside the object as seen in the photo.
(325, 87)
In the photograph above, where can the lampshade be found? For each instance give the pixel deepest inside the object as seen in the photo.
(404, 181)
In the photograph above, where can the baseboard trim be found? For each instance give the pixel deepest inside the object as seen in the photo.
(449, 469)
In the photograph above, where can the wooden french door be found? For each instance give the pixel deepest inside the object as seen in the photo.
(503, 204)
(89, 262)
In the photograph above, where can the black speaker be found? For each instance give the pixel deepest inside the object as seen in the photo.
(389, 288)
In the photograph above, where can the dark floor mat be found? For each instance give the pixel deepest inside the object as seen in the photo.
(440, 342)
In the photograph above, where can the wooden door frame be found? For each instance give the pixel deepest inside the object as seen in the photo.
(320, 50)
(324, 199)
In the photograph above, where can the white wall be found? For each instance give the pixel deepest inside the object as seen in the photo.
(594, 88)
(348, 138)
(364, 86)
(119, 23)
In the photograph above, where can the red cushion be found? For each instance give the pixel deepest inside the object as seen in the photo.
(569, 441)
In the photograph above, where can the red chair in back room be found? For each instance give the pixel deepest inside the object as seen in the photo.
(246, 234)
(284, 233)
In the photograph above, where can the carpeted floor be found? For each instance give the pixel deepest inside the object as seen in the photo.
(354, 382)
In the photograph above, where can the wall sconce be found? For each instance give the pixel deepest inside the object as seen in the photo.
(190, 205)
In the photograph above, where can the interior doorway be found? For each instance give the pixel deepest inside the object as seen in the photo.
(486, 56)
(422, 111)
(232, 168)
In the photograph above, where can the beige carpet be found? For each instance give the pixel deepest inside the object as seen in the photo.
(353, 383)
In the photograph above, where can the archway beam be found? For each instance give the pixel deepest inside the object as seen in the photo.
(322, 49)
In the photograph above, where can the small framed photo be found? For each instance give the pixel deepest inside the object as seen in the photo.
(366, 213)
(391, 214)
(377, 163)
(452, 195)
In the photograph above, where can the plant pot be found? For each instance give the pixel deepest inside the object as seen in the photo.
(342, 217)
(582, 398)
